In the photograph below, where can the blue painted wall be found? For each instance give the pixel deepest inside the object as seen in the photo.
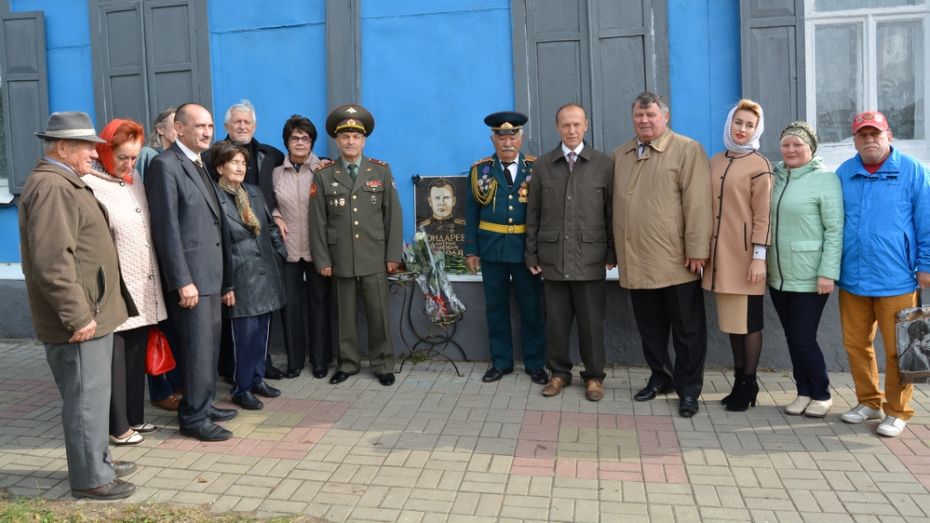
(431, 72)
(70, 87)
(276, 58)
(704, 76)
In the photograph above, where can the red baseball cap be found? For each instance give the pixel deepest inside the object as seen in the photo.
(870, 119)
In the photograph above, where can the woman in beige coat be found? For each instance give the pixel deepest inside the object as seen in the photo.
(118, 186)
(741, 179)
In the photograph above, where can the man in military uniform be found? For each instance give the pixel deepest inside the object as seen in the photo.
(356, 237)
(445, 232)
(495, 237)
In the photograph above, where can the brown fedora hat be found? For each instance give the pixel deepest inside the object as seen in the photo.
(70, 125)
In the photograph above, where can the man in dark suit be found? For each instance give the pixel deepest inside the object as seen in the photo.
(240, 124)
(187, 229)
(569, 242)
(495, 236)
(356, 238)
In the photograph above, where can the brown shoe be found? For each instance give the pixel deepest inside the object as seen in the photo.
(554, 387)
(594, 390)
(116, 489)
(170, 403)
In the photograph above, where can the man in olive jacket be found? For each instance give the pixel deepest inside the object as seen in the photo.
(569, 241)
(356, 237)
(76, 298)
(662, 229)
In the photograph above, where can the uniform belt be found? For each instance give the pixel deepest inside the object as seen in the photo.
(501, 228)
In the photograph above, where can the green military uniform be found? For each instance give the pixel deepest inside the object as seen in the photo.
(355, 228)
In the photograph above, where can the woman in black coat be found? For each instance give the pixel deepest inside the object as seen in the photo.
(254, 254)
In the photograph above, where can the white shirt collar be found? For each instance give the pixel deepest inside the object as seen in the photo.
(578, 149)
(187, 152)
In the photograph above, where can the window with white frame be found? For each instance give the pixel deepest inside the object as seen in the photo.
(4, 173)
(862, 55)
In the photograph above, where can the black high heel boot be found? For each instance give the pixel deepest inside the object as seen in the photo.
(737, 375)
(744, 395)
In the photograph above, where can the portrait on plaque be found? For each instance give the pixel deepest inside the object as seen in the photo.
(440, 211)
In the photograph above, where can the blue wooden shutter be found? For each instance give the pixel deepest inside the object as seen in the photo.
(772, 34)
(25, 92)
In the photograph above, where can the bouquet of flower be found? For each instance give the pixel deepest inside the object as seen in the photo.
(441, 304)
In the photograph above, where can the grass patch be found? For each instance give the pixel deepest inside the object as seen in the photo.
(16, 509)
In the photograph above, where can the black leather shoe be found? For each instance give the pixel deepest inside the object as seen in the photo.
(688, 406)
(494, 374)
(339, 377)
(386, 379)
(292, 373)
(538, 376)
(116, 489)
(263, 389)
(320, 373)
(273, 373)
(123, 468)
(206, 431)
(217, 414)
(649, 392)
(248, 401)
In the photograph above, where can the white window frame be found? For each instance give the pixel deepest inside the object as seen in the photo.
(836, 153)
(6, 196)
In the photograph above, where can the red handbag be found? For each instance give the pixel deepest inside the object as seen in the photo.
(158, 357)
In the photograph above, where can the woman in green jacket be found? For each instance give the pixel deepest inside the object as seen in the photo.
(804, 259)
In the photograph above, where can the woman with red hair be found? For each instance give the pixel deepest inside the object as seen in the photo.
(118, 186)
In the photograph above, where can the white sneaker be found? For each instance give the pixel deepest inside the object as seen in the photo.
(796, 407)
(860, 414)
(891, 427)
(818, 408)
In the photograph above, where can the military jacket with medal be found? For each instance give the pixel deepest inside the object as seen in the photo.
(496, 211)
(355, 225)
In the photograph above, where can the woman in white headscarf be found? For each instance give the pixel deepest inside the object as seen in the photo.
(742, 185)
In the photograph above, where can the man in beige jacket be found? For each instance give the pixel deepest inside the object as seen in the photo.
(662, 228)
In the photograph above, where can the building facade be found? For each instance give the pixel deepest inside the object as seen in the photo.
(430, 71)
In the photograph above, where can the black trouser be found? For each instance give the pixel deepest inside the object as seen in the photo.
(679, 309)
(198, 330)
(309, 296)
(567, 301)
(127, 397)
(800, 314)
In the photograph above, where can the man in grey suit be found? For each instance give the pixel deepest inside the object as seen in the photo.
(569, 241)
(74, 287)
(187, 229)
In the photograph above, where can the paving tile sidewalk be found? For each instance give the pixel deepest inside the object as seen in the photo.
(437, 447)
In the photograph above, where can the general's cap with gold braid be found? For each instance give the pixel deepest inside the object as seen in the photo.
(506, 122)
(350, 118)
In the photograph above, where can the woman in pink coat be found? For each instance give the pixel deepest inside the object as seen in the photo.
(741, 179)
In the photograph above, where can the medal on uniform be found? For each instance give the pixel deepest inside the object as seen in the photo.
(374, 200)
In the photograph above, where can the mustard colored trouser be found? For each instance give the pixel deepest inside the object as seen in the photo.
(859, 316)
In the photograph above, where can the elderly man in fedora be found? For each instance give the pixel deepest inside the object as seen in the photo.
(76, 298)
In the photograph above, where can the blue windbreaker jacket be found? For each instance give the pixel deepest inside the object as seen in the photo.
(886, 236)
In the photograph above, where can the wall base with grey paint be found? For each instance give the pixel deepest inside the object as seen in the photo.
(622, 338)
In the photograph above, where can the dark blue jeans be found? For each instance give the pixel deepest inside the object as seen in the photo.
(250, 344)
(800, 313)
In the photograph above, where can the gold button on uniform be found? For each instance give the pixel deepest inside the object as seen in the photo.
(509, 220)
(510, 197)
(356, 222)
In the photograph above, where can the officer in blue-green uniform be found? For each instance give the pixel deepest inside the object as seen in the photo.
(495, 233)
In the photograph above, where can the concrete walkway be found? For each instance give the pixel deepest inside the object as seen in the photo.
(437, 447)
